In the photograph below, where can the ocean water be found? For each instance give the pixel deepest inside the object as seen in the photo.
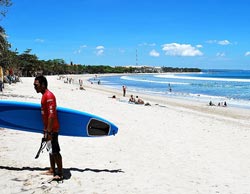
(232, 86)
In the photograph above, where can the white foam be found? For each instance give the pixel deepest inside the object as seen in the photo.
(176, 76)
(152, 81)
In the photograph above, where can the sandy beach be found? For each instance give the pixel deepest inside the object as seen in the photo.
(173, 146)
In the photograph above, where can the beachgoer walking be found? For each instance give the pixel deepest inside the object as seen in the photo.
(51, 126)
(124, 90)
(211, 103)
(169, 88)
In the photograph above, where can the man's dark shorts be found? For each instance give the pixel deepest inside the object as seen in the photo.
(55, 144)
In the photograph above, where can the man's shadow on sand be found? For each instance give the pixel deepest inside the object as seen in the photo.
(66, 171)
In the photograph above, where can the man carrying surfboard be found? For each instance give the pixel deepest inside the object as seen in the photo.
(51, 126)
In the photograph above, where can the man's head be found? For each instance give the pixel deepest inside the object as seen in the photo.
(40, 84)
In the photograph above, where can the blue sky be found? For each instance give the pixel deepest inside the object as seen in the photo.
(178, 33)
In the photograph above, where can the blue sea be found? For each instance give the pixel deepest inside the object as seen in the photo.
(232, 86)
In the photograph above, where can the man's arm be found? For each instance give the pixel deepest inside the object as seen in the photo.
(48, 130)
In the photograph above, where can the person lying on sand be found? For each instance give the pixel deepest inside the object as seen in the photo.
(138, 100)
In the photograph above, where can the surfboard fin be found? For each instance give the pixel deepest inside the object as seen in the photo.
(98, 128)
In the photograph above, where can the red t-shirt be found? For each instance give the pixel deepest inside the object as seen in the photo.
(48, 110)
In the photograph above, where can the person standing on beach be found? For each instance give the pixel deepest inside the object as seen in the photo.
(51, 126)
(169, 87)
(124, 90)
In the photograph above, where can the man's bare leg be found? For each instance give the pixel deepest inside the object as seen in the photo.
(51, 171)
(58, 161)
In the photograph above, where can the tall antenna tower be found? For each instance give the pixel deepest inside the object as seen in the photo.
(136, 58)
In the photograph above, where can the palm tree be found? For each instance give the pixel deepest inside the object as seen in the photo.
(2, 39)
(4, 45)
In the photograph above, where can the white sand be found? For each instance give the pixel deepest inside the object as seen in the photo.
(175, 147)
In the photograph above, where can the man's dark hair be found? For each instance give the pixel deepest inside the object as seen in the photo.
(42, 80)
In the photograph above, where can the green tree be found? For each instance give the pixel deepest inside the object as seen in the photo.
(4, 47)
(29, 63)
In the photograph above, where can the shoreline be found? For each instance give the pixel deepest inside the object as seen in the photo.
(205, 98)
(233, 112)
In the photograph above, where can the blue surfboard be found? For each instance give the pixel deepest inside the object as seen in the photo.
(27, 117)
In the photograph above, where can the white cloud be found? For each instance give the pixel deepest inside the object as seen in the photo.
(99, 50)
(152, 44)
(154, 53)
(80, 49)
(224, 42)
(175, 49)
(221, 54)
(199, 46)
(211, 41)
(247, 53)
(220, 42)
(147, 44)
(99, 47)
(39, 40)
